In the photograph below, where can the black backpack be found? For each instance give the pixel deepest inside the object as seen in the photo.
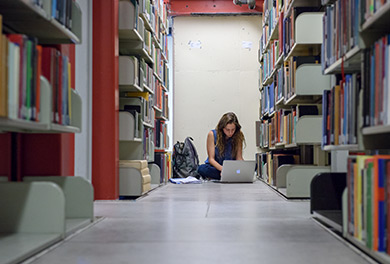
(185, 159)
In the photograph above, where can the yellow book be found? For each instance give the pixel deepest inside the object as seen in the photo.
(145, 95)
(358, 179)
(269, 162)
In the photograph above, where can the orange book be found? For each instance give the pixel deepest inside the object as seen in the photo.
(4, 76)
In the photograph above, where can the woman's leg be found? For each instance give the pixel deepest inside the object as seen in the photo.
(209, 171)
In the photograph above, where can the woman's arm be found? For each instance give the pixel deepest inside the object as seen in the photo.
(239, 153)
(211, 151)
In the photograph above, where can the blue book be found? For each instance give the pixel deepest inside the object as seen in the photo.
(325, 117)
(65, 91)
(381, 206)
(271, 98)
(54, 8)
(347, 103)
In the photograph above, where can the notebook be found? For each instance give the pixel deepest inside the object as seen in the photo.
(238, 171)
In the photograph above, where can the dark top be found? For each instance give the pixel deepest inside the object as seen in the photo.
(228, 150)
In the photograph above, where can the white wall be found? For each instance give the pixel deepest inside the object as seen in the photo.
(83, 79)
(215, 71)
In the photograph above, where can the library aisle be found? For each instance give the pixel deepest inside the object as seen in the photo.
(203, 223)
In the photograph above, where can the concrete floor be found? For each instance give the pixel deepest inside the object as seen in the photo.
(203, 223)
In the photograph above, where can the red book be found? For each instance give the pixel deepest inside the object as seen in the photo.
(281, 33)
(377, 82)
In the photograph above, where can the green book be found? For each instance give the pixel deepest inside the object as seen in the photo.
(369, 216)
(29, 72)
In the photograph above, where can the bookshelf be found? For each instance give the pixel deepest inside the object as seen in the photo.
(45, 124)
(290, 122)
(143, 78)
(356, 57)
(39, 211)
(39, 21)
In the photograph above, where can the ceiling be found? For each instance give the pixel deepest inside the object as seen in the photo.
(213, 7)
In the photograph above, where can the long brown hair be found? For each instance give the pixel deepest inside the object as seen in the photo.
(238, 138)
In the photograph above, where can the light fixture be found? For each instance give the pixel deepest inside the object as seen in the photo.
(251, 3)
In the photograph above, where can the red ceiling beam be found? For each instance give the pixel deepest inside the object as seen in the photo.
(212, 7)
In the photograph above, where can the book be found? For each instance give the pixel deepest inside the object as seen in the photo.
(3, 76)
(13, 80)
(387, 199)
(325, 117)
(65, 91)
(369, 163)
(378, 202)
(350, 185)
(38, 81)
(336, 112)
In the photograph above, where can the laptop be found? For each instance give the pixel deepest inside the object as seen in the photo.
(238, 171)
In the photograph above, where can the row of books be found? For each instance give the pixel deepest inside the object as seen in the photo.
(284, 82)
(376, 74)
(147, 74)
(341, 24)
(148, 137)
(155, 13)
(290, 69)
(161, 67)
(22, 63)
(267, 100)
(371, 7)
(164, 46)
(270, 58)
(148, 43)
(161, 136)
(269, 162)
(61, 10)
(271, 9)
(276, 16)
(139, 73)
(281, 127)
(139, 104)
(339, 110)
(285, 41)
(369, 200)
(163, 160)
(289, 25)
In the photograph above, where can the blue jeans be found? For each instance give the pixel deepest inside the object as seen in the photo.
(209, 171)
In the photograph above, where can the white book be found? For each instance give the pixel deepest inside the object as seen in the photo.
(13, 85)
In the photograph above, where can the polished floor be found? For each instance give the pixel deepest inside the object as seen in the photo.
(203, 223)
